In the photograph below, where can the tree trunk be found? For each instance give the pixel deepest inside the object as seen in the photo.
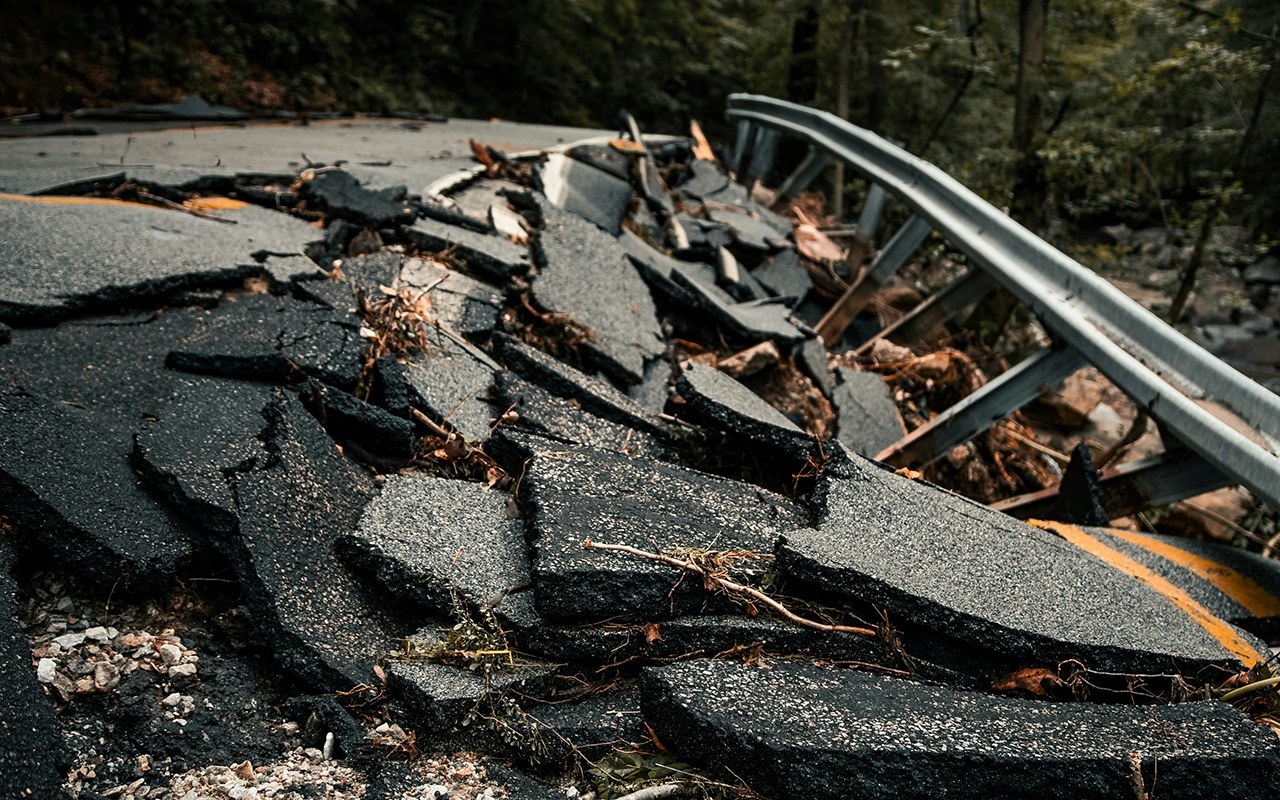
(1030, 192)
(842, 100)
(802, 77)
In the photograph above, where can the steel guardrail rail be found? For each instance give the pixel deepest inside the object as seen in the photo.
(1160, 369)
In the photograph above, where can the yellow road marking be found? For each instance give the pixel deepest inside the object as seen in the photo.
(1241, 588)
(73, 201)
(1224, 633)
(214, 204)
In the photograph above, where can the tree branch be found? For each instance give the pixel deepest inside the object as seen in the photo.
(731, 587)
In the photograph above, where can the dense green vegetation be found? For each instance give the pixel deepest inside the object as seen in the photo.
(1150, 112)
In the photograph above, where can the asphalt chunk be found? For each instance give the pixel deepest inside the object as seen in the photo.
(704, 178)
(1234, 584)
(428, 539)
(272, 338)
(339, 194)
(540, 411)
(800, 730)
(737, 635)
(69, 485)
(585, 273)
(593, 395)
(364, 427)
(734, 408)
(961, 571)
(572, 496)
(584, 191)
(451, 382)
(490, 256)
(198, 443)
(458, 301)
(65, 259)
(782, 276)
(324, 624)
(867, 420)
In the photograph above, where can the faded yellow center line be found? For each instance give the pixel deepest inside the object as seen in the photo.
(1224, 633)
(72, 201)
(1241, 588)
(214, 204)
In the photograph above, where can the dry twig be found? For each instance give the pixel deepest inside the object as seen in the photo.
(712, 580)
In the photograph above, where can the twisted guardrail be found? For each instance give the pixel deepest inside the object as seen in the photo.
(1168, 376)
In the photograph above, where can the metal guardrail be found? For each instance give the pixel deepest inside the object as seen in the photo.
(1165, 374)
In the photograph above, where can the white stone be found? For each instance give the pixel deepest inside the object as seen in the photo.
(97, 634)
(170, 654)
(46, 670)
(182, 671)
(70, 640)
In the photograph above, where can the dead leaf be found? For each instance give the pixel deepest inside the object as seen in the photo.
(1037, 681)
(651, 634)
(815, 245)
(701, 147)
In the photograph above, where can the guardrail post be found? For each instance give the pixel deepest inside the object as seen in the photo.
(832, 325)
(937, 309)
(1135, 486)
(814, 162)
(763, 151)
(872, 207)
(742, 147)
(977, 412)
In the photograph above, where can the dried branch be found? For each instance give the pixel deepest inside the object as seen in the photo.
(729, 587)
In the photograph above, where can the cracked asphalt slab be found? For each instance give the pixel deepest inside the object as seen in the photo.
(197, 417)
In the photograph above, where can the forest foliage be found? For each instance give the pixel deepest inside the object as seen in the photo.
(1153, 112)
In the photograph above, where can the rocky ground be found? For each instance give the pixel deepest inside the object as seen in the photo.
(535, 482)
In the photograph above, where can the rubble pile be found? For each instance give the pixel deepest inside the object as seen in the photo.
(551, 466)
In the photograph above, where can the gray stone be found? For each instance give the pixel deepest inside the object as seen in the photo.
(803, 731)
(583, 190)
(428, 539)
(732, 407)
(585, 273)
(1265, 271)
(490, 256)
(451, 383)
(783, 276)
(69, 485)
(61, 260)
(1000, 589)
(571, 496)
(593, 395)
(867, 420)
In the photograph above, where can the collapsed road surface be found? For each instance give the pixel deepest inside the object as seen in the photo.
(309, 482)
